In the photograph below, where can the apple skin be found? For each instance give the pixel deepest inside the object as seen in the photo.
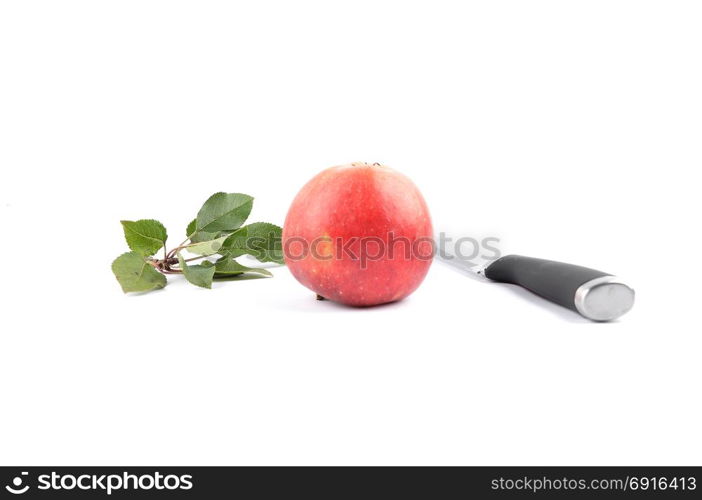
(346, 215)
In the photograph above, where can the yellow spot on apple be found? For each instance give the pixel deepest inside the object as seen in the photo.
(325, 247)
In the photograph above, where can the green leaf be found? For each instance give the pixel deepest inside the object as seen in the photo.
(224, 212)
(196, 236)
(199, 275)
(192, 227)
(260, 239)
(227, 266)
(201, 236)
(207, 247)
(144, 236)
(135, 274)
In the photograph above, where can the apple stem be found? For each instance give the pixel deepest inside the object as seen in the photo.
(319, 297)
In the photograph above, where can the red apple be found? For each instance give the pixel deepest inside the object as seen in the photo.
(359, 234)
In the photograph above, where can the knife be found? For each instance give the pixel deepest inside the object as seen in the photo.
(595, 295)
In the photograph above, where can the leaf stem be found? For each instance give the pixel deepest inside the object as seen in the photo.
(195, 258)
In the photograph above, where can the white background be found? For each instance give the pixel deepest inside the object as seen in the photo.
(570, 130)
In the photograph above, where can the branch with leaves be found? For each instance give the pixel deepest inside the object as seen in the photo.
(216, 237)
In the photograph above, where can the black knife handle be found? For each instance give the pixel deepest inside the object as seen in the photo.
(595, 295)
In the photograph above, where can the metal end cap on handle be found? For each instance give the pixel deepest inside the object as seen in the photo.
(604, 299)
